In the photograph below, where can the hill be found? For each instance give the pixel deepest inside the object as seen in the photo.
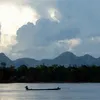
(66, 58)
(4, 58)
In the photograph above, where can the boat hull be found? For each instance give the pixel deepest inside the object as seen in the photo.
(42, 89)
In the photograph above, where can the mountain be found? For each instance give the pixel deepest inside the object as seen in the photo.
(4, 58)
(25, 61)
(66, 58)
(88, 60)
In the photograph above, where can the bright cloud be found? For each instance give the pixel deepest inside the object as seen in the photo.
(69, 43)
(54, 14)
(16, 13)
(96, 39)
(12, 17)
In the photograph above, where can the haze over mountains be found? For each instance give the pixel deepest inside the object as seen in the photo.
(66, 58)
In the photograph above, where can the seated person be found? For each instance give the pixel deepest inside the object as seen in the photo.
(26, 87)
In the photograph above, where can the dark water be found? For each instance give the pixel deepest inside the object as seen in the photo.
(16, 91)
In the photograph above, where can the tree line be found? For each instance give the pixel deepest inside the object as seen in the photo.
(54, 73)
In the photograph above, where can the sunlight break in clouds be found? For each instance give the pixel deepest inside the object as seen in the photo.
(12, 17)
(54, 14)
(96, 39)
(69, 43)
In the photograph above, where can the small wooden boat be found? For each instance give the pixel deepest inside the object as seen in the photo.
(26, 87)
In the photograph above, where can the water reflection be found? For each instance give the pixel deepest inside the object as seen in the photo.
(10, 91)
(67, 92)
(18, 92)
(7, 98)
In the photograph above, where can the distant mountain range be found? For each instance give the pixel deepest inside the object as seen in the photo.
(66, 58)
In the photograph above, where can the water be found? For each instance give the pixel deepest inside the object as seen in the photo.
(71, 91)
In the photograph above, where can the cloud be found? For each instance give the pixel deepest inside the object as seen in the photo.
(88, 46)
(45, 32)
(57, 26)
(16, 13)
(43, 38)
(12, 17)
(69, 43)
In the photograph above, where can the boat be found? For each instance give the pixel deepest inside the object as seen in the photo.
(26, 87)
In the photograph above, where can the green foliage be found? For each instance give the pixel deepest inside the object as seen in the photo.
(54, 73)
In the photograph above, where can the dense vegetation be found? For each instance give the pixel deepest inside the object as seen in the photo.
(52, 73)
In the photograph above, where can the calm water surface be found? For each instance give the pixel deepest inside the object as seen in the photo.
(82, 91)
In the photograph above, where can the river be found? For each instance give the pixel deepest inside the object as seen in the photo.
(69, 91)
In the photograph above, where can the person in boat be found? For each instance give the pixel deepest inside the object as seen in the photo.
(58, 88)
(26, 87)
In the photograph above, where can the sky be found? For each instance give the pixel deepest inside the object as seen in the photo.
(43, 29)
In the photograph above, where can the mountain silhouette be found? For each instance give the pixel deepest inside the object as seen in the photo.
(66, 58)
(25, 61)
(4, 58)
